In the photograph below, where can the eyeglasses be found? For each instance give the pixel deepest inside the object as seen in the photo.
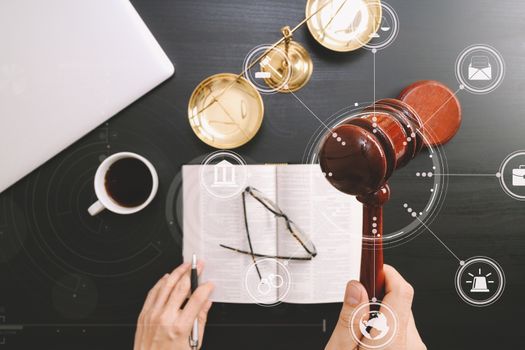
(291, 227)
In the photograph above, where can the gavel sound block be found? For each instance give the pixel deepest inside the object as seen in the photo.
(361, 154)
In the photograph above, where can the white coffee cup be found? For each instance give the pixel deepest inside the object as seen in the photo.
(104, 198)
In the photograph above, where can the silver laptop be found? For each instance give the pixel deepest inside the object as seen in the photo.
(66, 67)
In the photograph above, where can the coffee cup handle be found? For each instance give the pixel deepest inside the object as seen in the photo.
(96, 208)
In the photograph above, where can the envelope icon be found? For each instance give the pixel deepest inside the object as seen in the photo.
(479, 68)
(518, 176)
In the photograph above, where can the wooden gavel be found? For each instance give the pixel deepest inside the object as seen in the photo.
(361, 154)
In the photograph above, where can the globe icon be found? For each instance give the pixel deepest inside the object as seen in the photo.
(375, 327)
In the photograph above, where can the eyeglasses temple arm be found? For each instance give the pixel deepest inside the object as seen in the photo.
(248, 233)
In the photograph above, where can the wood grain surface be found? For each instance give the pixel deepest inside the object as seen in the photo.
(204, 37)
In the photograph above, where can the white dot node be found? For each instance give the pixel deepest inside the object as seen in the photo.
(430, 174)
(343, 143)
(418, 174)
(378, 235)
(409, 210)
(405, 205)
(404, 143)
(334, 135)
(374, 299)
(374, 125)
(356, 104)
(330, 174)
(429, 156)
(374, 231)
(461, 87)
(375, 130)
(409, 139)
(374, 50)
(374, 225)
(420, 213)
(414, 214)
(431, 190)
(374, 218)
(424, 174)
(413, 134)
(462, 263)
(498, 174)
(339, 139)
(374, 119)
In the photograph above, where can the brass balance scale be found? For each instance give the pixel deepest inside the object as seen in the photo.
(226, 110)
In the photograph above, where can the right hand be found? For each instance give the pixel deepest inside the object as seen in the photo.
(399, 296)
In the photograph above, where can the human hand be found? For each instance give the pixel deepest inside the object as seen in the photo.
(163, 324)
(399, 296)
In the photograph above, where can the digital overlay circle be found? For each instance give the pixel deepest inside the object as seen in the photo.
(380, 318)
(480, 281)
(480, 69)
(432, 162)
(257, 68)
(272, 287)
(388, 29)
(223, 174)
(511, 175)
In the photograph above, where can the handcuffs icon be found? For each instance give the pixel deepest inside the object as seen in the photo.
(266, 285)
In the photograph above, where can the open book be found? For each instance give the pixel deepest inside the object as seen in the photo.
(331, 219)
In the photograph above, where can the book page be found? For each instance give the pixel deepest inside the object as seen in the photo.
(210, 221)
(333, 221)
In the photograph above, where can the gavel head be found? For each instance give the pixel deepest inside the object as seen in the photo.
(360, 154)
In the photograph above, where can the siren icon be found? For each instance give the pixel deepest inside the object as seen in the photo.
(479, 282)
(479, 285)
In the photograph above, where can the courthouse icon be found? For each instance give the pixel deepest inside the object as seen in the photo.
(224, 174)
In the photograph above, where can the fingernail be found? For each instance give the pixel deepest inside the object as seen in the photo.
(353, 294)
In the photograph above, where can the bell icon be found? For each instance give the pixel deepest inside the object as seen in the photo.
(479, 285)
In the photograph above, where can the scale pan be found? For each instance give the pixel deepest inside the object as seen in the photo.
(297, 59)
(343, 25)
(225, 111)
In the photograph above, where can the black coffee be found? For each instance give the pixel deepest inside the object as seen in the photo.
(129, 182)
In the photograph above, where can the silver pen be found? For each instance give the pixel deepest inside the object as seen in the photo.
(194, 338)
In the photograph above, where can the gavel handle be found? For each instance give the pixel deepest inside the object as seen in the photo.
(372, 274)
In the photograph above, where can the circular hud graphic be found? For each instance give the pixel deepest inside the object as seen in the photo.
(417, 190)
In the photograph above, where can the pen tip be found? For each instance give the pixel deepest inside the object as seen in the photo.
(194, 261)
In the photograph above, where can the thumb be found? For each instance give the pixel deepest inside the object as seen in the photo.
(342, 338)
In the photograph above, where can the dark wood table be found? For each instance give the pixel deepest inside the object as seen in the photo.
(68, 281)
